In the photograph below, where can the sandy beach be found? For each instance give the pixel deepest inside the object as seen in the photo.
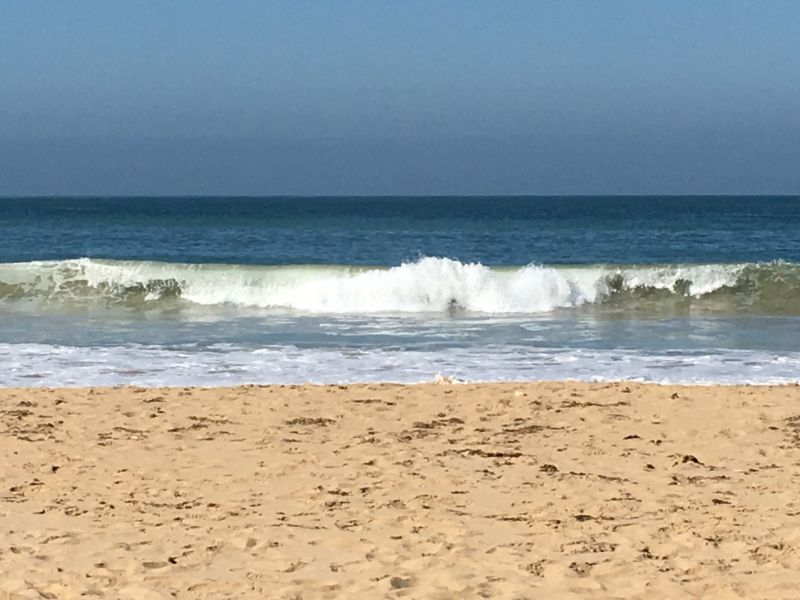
(536, 490)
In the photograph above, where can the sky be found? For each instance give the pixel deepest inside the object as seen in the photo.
(260, 97)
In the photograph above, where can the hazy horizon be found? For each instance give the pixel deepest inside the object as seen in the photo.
(363, 98)
(375, 196)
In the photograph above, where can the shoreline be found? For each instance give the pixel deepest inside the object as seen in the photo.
(508, 490)
(442, 381)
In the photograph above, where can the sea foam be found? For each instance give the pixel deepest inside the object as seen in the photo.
(56, 365)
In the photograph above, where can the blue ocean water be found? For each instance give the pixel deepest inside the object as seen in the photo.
(211, 291)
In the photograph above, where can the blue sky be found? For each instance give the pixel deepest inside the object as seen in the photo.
(372, 97)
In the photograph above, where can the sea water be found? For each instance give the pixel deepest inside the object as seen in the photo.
(213, 291)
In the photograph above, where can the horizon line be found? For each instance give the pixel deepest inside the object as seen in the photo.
(380, 196)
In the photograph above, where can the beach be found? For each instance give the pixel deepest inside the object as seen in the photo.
(450, 490)
(402, 300)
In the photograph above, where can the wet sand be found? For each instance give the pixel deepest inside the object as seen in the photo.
(542, 490)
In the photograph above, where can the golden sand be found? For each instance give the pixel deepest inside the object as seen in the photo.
(540, 490)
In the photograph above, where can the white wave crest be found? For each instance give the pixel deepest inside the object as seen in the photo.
(431, 284)
(427, 285)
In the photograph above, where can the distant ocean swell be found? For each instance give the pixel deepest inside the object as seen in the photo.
(429, 285)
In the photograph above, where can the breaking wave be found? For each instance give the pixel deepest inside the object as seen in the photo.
(428, 285)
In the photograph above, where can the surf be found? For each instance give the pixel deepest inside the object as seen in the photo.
(427, 285)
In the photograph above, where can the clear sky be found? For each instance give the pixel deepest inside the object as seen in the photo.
(399, 97)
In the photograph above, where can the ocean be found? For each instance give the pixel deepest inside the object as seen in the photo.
(219, 291)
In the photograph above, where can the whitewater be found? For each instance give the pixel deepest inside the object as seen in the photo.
(428, 285)
(105, 322)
